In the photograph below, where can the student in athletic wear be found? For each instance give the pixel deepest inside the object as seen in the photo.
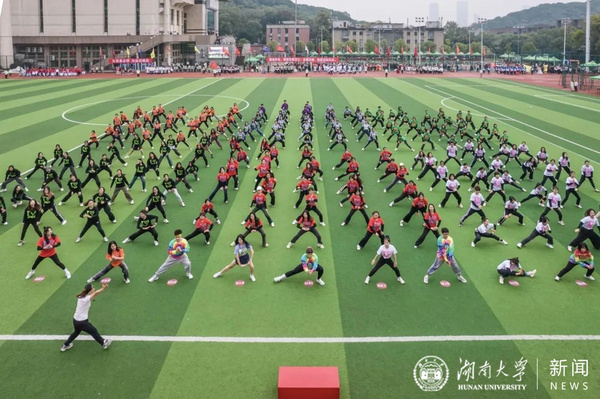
(306, 223)
(222, 184)
(67, 162)
(86, 153)
(121, 184)
(208, 208)
(480, 176)
(487, 230)
(12, 174)
(102, 201)
(512, 267)
(156, 200)
(452, 187)
(538, 191)
(50, 176)
(203, 226)
(57, 153)
(551, 168)
(92, 216)
(146, 223)
(254, 224)
(476, 204)
(374, 227)
(542, 229)
(585, 230)
(554, 203)
(419, 204)
(309, 262)
(410, 191)
(400, 176)
(47, 203)
(357, 203)
(445, 254)
(243, 253)
(114, 153)
(38, 164)
(384, 256)
(46, 245)
(587, 172)
(80, 319)
(116, 257)
(511, 207)
(177, 253)
(431, 223)
(140, 173)
(571, 189)
(31, 217)
(581, 257)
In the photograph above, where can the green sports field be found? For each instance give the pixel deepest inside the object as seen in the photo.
(209, 338)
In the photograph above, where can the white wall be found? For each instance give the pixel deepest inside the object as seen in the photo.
(90, 17)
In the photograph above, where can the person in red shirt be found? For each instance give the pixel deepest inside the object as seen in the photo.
(354, 186)
(385, 156)
(214, 137)
(346, 157)
(306, 223)
(274, 154)
(352, 168)
(262, 169)
(309, 173)
(222, 184)
(431, 223)
(47, 246)
(259, 202)
(374, 227)
(232, 170)
(268, 187)
(358, 204)
(193, 124)
(116, 256)
(303, 186)
(254, 224)
(264, 146)
(305, 155)
(243, 156)
(311, 206)
(390, 169)
(410, 190)
(419, 204)
(203, 226)
(316, 166)
(400, 177)
(208, 207)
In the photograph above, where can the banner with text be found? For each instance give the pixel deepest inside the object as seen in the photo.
(303, 59)
(130, 61)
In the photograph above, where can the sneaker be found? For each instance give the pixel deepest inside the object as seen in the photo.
(501, 279)
(182, 203)
(78, 240)
(131, 202)
(232, 244)
(460, 206)
(218, 221)
(549, 245)
(60, 203)
(64, 222)
(320, 245)
(400, 280)
(321, 282)
(243, 222)
(153, 278)
(556, 278)
(127, 281)
(189, 276)
(519, 245)
(322, 224)
(252, 278)
(107, 343)
(578, 205)
(591, 278)
(358, 248)
(67, 274)
(426, 279)
(272, 224)
(155, 243)
(440, 206)
(561, 222)
(125, 241)
(401, 223)
(367, 280)
(105, 239)
(461, 279)
(165, 220)
(31, 273)
(504, 242)
(266, 245)
(532, 273)
(391, 204)
(342, 205)
(289, 245)
(472, 244)
(65, 348)
(20, 243)
(217, 275)
(278, 279)
(191, 191)
(416, 246)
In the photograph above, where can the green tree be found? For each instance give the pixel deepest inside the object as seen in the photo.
(369, 45)
(299, 47)
(428, 46)
(399, 44)
(353, 45)
(324, 47)
(528, 47)
(272, 45)
(311, 46)
(507, 49)
(321, 20)
(242, 41)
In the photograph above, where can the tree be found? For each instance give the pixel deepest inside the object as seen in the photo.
(299, 47)
(324, 46)
(428, 46)
(353, 46)
(369, 45)
(321, 20)
(272, 45)
(383, 46)
(399, 44)
(507, 49)
(311, 46)
(242, 41)
(528, 47)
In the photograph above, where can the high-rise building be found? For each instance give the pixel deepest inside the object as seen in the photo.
(434, 11)
(462, 13)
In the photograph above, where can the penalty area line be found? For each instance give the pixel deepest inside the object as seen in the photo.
(311, 340)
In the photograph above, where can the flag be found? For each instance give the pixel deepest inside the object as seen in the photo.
(402, 50)
(457, 50)
(319, 50)
(470, 50)
(101, 52)
(428, 50)
(226, 51)
(306, 49)
(293, 51)
(388, 52)
(279, 48)
(348, 49)
(376, 51)
(153, 54)
(333, 48)
(416, 54)
(237, 52)
(196, 49)
(266, 49)
(127, 52)
(213, 65)
(483, 52)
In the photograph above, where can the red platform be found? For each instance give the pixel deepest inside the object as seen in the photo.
(308, 382)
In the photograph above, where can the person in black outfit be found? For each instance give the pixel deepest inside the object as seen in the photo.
(156, 200)
(114, 153)
(18, 196)
(91, 213)
(31, 217)
(12, 174)
(86, 153)
(58, 154)
(102, 202)
(92, 171)
(47, 203)
(145, 224)
(74, 185)
(49, 177)
(39, 164)
(67, 162)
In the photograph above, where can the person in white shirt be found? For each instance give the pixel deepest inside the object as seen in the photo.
(386, 255)
(511, 207)
(480, 176)
(549, 172)
(571, 188)
(465, 170)
(585, 230)
(587, 172)
(452, 186)
(441, 173)
(477, 201)
(497, 184)
(554, 203)
(487, 230)
(538, 191)
(512, 267)
(80, 319)
(542, 229)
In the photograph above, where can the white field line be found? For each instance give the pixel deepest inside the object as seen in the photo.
(508, 118)
(311, 340)
(443, 102)
(547, 97)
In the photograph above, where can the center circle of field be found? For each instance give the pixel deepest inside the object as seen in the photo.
(179, 96)
(444, 103)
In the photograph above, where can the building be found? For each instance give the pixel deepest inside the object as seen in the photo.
(345, 31)
(68, 33)
(288, 33)
(434, 11)
(462, 13)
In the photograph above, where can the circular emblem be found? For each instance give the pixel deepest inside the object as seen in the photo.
(382, 286)
(445, 283)
(105, 280)
(514, 283)
(240, 283)
(172, 282)
(431, 373)
(309, 283)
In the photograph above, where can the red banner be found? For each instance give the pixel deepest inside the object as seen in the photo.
(130, 61)
(303, 59)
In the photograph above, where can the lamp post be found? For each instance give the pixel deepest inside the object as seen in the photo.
(519, 30)
(565, 22)
(419, 21)
(333, 21)
(481, 21)
(321, 42)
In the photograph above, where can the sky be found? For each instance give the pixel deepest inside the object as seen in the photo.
(374, 10)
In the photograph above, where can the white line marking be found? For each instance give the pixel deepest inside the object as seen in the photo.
(547, 97)
(311, 340)
(456, 109)
(431, 88)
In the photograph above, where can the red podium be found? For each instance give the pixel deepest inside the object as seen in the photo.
(308, 382)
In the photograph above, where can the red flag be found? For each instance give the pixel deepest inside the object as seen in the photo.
(457, 50)
(237, 52)
(402, 50)
(226, 51)
(376, 51)
(333, 48)
(470, 50)
(348, 49)
(279, 48)
(319, 50)
(214, 65)
(416, 54)
(388, 52)
(292, 51)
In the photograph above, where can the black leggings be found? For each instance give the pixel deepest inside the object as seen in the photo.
(89, 223)
(26, 226)
(382, 262)
(87, 327)
(300, 269)
(54, 258)
(301, 233)
(260, 231)
(424, 234)
(569, 266)
(142, 231)
(108, 268)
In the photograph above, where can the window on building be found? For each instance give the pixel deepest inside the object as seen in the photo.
(199, 1)
(41, 16)
(185, 22)
(105, 16)
(360, 33)
(177, 17)
(73, 16)
(137, 17)
(172, 18)
(286, 31)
